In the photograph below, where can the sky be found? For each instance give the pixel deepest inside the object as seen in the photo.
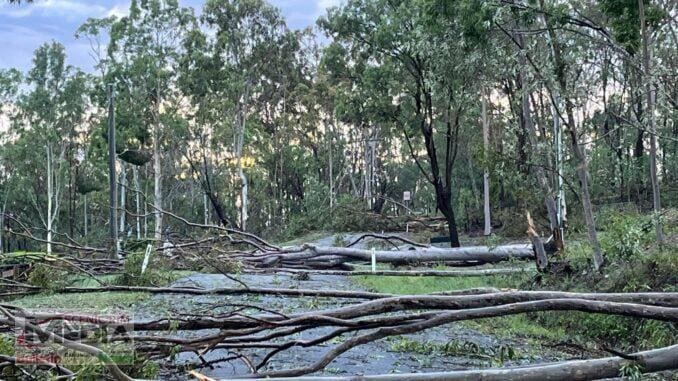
(25, 27)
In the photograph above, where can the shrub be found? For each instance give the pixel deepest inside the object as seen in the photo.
(155, 274)
(625, 235)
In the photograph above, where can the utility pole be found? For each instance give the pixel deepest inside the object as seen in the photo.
(112, 186)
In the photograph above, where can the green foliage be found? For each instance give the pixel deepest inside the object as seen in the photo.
(157, 273)
(625, 20)
(625, 235)
(497, 355)
(7, 345)
(631, 372)
(48, 277)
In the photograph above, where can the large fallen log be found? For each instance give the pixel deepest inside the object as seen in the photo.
(651, 361)
(659, 306)
(307, 254)
(421, 273)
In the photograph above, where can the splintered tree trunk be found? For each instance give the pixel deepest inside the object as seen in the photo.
(486, 173)
(577, 148)
(647, 63)
(531, 132)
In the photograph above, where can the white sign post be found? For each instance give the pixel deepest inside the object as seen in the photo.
(374, 261)
(147, 256)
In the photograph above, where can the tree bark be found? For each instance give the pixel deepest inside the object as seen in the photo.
(655, 360)
(651, 117)
(577, 148)
(135, 174)
(486, 174)
(50, 191)
(157, 184)
(123, 198)
(306, 254)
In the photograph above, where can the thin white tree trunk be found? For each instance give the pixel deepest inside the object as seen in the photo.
(206, 208)
(157, 185)
(239, 142)
(50, 189)
(146, 205)
(2, 224)
(486, 173)
(330, 168)
(84, 216)
(367, 176)
(137, 189)
(123, 198)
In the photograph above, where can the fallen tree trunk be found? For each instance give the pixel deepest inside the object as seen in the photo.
(666, 299)
(446, 317)
(423, 273)
(659, 306)
(651, 361)
(307, 253)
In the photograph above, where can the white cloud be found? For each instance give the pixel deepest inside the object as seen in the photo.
(118, 10)
(324, 4)
(67, 8)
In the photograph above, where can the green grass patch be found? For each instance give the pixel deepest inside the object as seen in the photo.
(405, 285)
(94, 300)
(516, 326)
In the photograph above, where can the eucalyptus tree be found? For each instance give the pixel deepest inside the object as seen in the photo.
(142, 59)
(50, 113)
(432, 73)
(10, 81)
(245, 32)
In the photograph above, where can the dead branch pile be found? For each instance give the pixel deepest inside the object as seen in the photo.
(247, 328)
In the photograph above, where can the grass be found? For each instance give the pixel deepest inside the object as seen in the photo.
(516, 326)
(406, 285)
(93, 300)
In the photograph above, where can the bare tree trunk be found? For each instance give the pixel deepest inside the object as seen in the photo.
(367, 176)
(2, 223)
(84, 214)
(647, 63)
(330, 163)
(123, 198)
(50, 190)
(531, 132)
(146, 206)
(239, 142)
(577, 148)
(486, 173)
(135, 174)
(157, 176)
(112, 188)
(206, 209)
